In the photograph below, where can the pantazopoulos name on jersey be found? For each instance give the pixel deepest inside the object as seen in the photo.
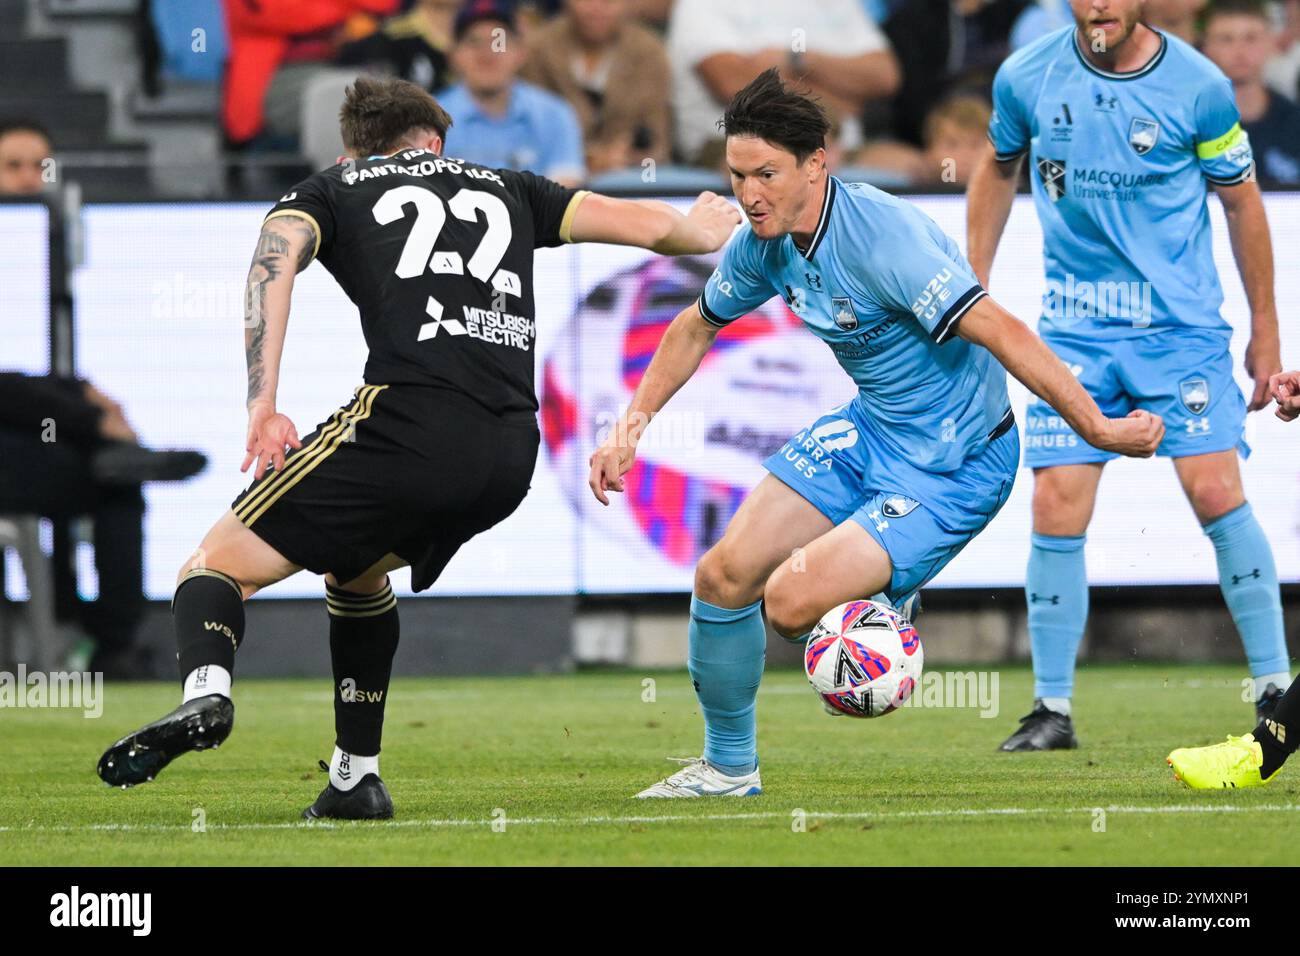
(426, 167)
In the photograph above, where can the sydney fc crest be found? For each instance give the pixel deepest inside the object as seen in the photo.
(845, 317)
(1195, 393)
(899, 506)
(1143, 135)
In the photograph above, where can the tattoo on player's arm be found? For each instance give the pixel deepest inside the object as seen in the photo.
(268, 264)
(284, 241)
(303, 236)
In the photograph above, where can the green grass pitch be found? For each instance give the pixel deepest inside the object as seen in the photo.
(540, 770)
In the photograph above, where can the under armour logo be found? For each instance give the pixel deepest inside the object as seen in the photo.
(1195, 425)
(881, 524)
(430, 329)
(1044, 599)
(1238, 578)
(813, 280)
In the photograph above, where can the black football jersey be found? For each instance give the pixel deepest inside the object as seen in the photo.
(437, 255)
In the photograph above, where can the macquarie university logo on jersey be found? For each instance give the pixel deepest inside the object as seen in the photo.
(1051, 172)
(1143, 134)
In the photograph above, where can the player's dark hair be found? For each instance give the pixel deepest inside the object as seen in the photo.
(774, 112)
(24, 126)
(378, 114)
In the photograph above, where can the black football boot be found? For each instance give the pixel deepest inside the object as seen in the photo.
(368, 800)
(1042, 729)
(202, 724)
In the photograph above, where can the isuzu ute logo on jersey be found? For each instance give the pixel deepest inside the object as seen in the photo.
(1143, 135)
(1052, 174)
(928, 303)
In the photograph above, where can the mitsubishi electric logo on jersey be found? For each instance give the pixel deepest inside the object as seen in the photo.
(486, 325)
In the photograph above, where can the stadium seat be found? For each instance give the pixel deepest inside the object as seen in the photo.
(321, 99)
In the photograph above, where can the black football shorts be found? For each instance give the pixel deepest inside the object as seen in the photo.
(410, 469)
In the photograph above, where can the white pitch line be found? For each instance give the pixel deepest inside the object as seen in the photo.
(965, 813)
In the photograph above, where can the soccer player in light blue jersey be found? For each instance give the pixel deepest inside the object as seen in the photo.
(1124, 128)
(875, 497)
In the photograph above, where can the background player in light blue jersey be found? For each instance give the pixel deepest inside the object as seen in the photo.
(1124, 127)
(878, 495)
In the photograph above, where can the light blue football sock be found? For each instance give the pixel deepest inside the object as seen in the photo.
(1056, 591)
(1248, 579)
(727, 650)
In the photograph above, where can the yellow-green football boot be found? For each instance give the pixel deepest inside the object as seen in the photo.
(1231, 765)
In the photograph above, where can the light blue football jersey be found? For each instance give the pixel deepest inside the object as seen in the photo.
(1119, 164)
(884, 287)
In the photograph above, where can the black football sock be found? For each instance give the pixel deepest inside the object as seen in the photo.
(208, 613)
(363, 640)
(1279, 736)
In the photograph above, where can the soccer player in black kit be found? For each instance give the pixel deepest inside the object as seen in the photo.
(438, 444)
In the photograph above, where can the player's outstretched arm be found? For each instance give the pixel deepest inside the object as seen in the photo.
(655, 225)
(679, 354)
(1252, 247)
(1024, 355)
(284, 249)
(1285, 389)
(989, 196)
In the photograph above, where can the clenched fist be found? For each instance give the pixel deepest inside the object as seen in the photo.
(713, 219)
(1137, 436)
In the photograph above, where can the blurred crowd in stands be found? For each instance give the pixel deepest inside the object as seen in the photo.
(628, 92)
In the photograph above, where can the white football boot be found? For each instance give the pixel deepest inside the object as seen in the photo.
(698, 779)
